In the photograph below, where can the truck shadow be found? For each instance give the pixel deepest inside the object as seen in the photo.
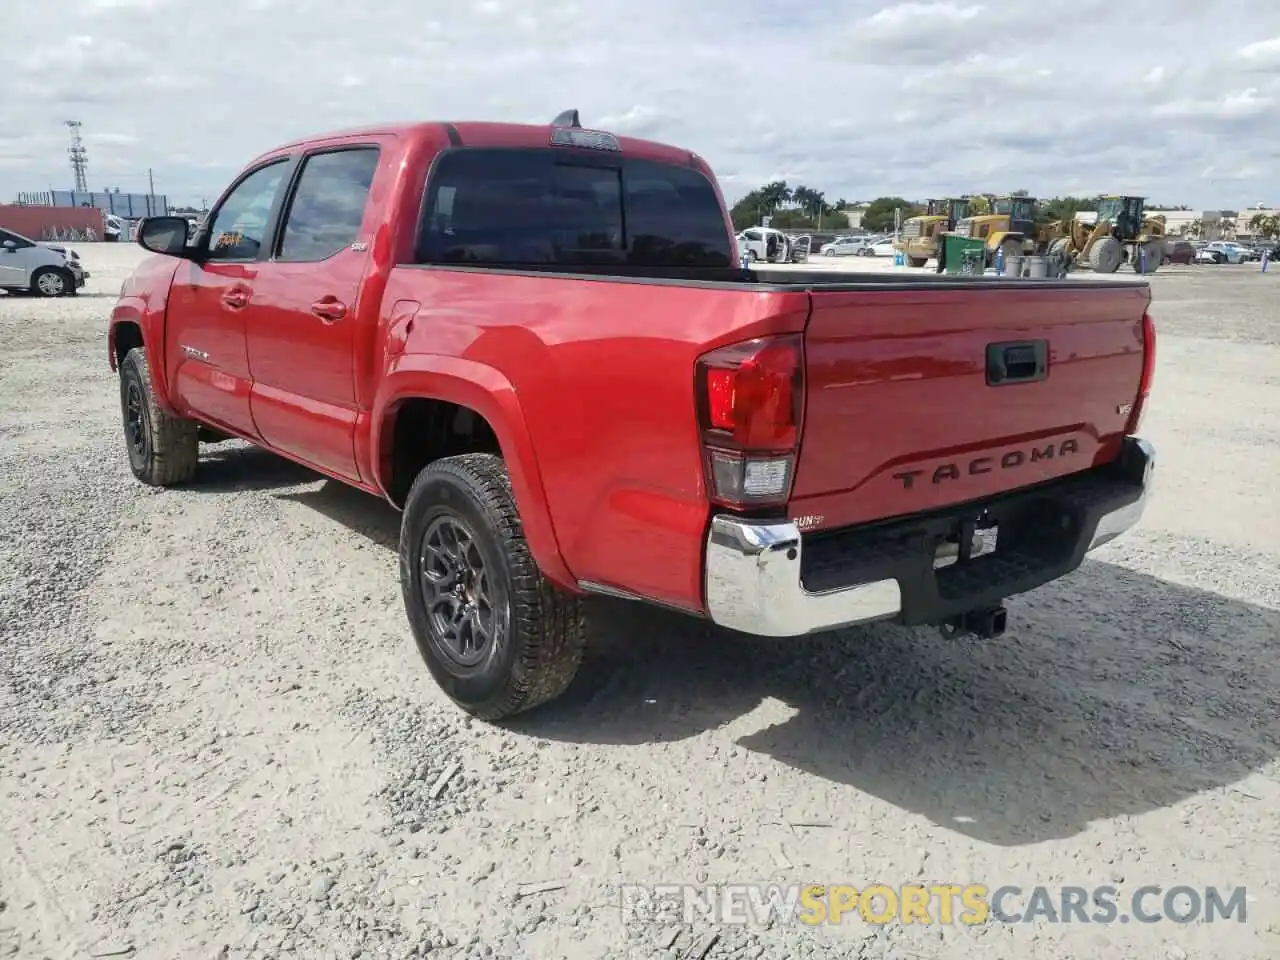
(1114, 693)
(234, 465)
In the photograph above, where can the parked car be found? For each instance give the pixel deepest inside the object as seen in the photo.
(843, 247)
(1225, 251)
(880, 247)
(535, 342)
(768, 245)
(1179, 251)
(42, 269)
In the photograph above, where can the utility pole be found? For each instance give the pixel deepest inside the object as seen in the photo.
(79, 158)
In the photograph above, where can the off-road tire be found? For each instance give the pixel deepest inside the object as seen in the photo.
(171, 451)
(1155, 257)
(1106, 255)
(38, 286)
(917, 261)
(540, 631)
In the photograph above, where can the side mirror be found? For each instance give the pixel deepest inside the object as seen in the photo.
(167, 235)
(9, 245)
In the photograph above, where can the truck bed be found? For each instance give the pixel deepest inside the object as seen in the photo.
(786, 280)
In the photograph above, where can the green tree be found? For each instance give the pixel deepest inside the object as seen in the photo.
(1065, 208)
(811, 201)
(879, 215)
(789, 209)
(1265, 225)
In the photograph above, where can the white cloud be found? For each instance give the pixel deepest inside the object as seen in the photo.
(1262, 52)
(918, 99)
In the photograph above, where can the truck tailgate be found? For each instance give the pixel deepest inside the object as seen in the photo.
(921, 399)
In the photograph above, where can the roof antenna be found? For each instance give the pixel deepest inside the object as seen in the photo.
(568, 118)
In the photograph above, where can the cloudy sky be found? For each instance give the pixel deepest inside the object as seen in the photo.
(1178, 100)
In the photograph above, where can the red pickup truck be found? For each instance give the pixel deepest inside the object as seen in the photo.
(539, 343)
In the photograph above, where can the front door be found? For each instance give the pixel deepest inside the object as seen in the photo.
(205, 349)
(301, 325)
(14, 268)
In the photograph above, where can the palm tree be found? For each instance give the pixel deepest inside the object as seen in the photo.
(1265, 225)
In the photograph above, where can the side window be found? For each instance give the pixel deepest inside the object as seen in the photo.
(17, 241)
(984, 230)
(328, 204)
(239, 226)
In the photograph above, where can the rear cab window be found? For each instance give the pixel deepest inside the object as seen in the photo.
(522, 207)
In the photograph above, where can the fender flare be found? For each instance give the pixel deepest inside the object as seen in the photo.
(489, 393)
(150, 321)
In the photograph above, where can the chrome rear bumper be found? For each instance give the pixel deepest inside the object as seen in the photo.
(753, 576)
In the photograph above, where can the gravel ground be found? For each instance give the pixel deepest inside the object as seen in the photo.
(217, 740)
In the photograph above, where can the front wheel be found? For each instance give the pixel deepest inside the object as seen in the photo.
(163, 450)
(917, 261)
(51, 282)
(496, 636)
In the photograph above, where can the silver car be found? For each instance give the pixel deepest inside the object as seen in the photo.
(43, 269)
(842, 247)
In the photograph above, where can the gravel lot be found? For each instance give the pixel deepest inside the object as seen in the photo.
(217, 739)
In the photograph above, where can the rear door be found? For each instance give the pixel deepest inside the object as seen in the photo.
(921, 399)
(205, 337)
(300, 325)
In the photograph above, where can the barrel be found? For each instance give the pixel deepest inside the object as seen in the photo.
(1038, 267)
(1013, 266)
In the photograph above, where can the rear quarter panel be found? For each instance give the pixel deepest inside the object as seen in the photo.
(604, 375)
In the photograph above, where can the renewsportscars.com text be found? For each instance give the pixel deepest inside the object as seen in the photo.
(967, 904)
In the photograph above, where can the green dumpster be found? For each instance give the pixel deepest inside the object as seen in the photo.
(964, 255)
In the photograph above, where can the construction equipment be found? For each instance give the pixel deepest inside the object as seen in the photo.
(921, 234)
(1010, 226)
(1121, 233)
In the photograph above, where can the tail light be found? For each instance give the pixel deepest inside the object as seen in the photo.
(751, 400)
(1148, 374)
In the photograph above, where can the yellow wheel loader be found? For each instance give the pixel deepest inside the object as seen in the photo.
(1120, 234)
(1010, 226)
(921, 235)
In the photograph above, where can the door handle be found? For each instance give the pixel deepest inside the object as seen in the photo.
(235, 299)
(329, 309)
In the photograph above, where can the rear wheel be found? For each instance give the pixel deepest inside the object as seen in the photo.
(1154, 257)
(163, 450)
(497, 637)
(1106, 255)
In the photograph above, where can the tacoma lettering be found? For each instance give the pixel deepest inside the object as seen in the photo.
(979, 465)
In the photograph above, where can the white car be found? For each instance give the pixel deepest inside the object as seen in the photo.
(882, 247)
(766, 245)
(46, 270)
(1222, 251)
(843, 246)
